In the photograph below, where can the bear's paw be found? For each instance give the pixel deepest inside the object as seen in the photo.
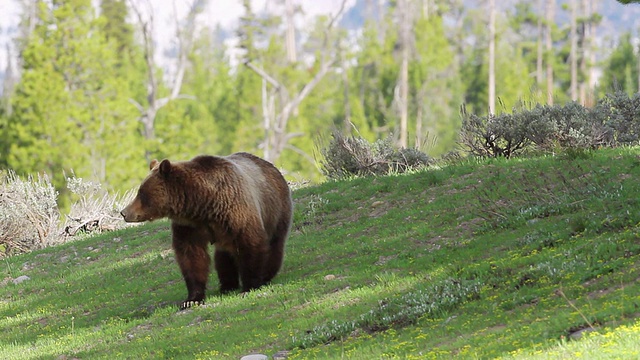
(190, 303)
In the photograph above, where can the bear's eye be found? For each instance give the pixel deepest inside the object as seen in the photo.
(144, 198)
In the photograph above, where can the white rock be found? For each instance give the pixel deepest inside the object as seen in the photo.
(21, 279)
(255, 357)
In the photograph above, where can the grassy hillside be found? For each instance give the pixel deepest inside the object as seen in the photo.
(484, 259)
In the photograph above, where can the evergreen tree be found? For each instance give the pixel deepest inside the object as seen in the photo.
(513, 82)
(244, 127)
(203, 122)
(435, 86)
(621, 69)
(374, 79)
(115, 26)
(283, 87)
(71, 112)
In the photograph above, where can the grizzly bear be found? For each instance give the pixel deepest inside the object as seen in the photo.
(239, 203)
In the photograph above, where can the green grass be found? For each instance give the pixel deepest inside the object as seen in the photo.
(479, 259)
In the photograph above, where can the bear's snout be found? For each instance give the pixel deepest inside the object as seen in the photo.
(129, 214)
(124, 215)
(128, 217)
(135, 212)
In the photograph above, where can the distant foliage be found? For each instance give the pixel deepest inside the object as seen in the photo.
(347, 156)
(30, 218)
(614, 121)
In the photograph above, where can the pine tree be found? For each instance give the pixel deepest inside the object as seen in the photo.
(435, 86)
(203, 122)
(513, 82)
(621, 69)
(283, 86)
(70, 113)
(375, 78)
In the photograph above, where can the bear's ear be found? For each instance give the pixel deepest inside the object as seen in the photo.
(165, 167)
(153, 164)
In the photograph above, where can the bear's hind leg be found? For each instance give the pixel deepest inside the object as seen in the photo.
(252, 258)
(227, 270)
(191, 249)
(276, 249)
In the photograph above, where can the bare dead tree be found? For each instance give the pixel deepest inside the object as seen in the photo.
(492, 56)
(540, 52)
(402, 96)
(8, 84)
(345, 90)
(588, 60)
(291, 32)
(573, 57)
(185, 32)
(276, 137)
(550, 18)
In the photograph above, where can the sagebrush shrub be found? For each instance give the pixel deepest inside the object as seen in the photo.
(29, 217)
(576, 126)
(622, 116)
(95, 210)
(613, 121)
(502, 135)
(347, 156)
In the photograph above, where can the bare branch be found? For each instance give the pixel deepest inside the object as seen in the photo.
(324, 69)
(290, 136)
(136, 104)
(146, 26)
(263, 74)
(337, 15)
(301, 152)
(184, 37)
(276, 138)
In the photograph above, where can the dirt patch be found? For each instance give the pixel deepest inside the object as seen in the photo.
(384, 259)
(598, 293)
(469, 226)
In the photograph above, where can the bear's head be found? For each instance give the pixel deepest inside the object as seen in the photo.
(152, 201)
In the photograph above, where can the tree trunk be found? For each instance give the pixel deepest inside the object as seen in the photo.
(291, 33)
(550, 18)
(492, 56)
(540, 51)
(573, 55)
(185, 34)
(592, 53)
(345, 87)
(425, 8)
(403, 83)
(276, 137)
(8, 84)
(585, 85)
(381, 4)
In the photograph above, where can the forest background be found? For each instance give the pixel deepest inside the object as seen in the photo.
(88, 95)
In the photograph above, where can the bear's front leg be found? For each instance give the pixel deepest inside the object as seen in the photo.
(191, 248)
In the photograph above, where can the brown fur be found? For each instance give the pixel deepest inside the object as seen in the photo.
(239, 203)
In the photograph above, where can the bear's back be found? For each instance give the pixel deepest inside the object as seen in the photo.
(261, 186)
(268, 190)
